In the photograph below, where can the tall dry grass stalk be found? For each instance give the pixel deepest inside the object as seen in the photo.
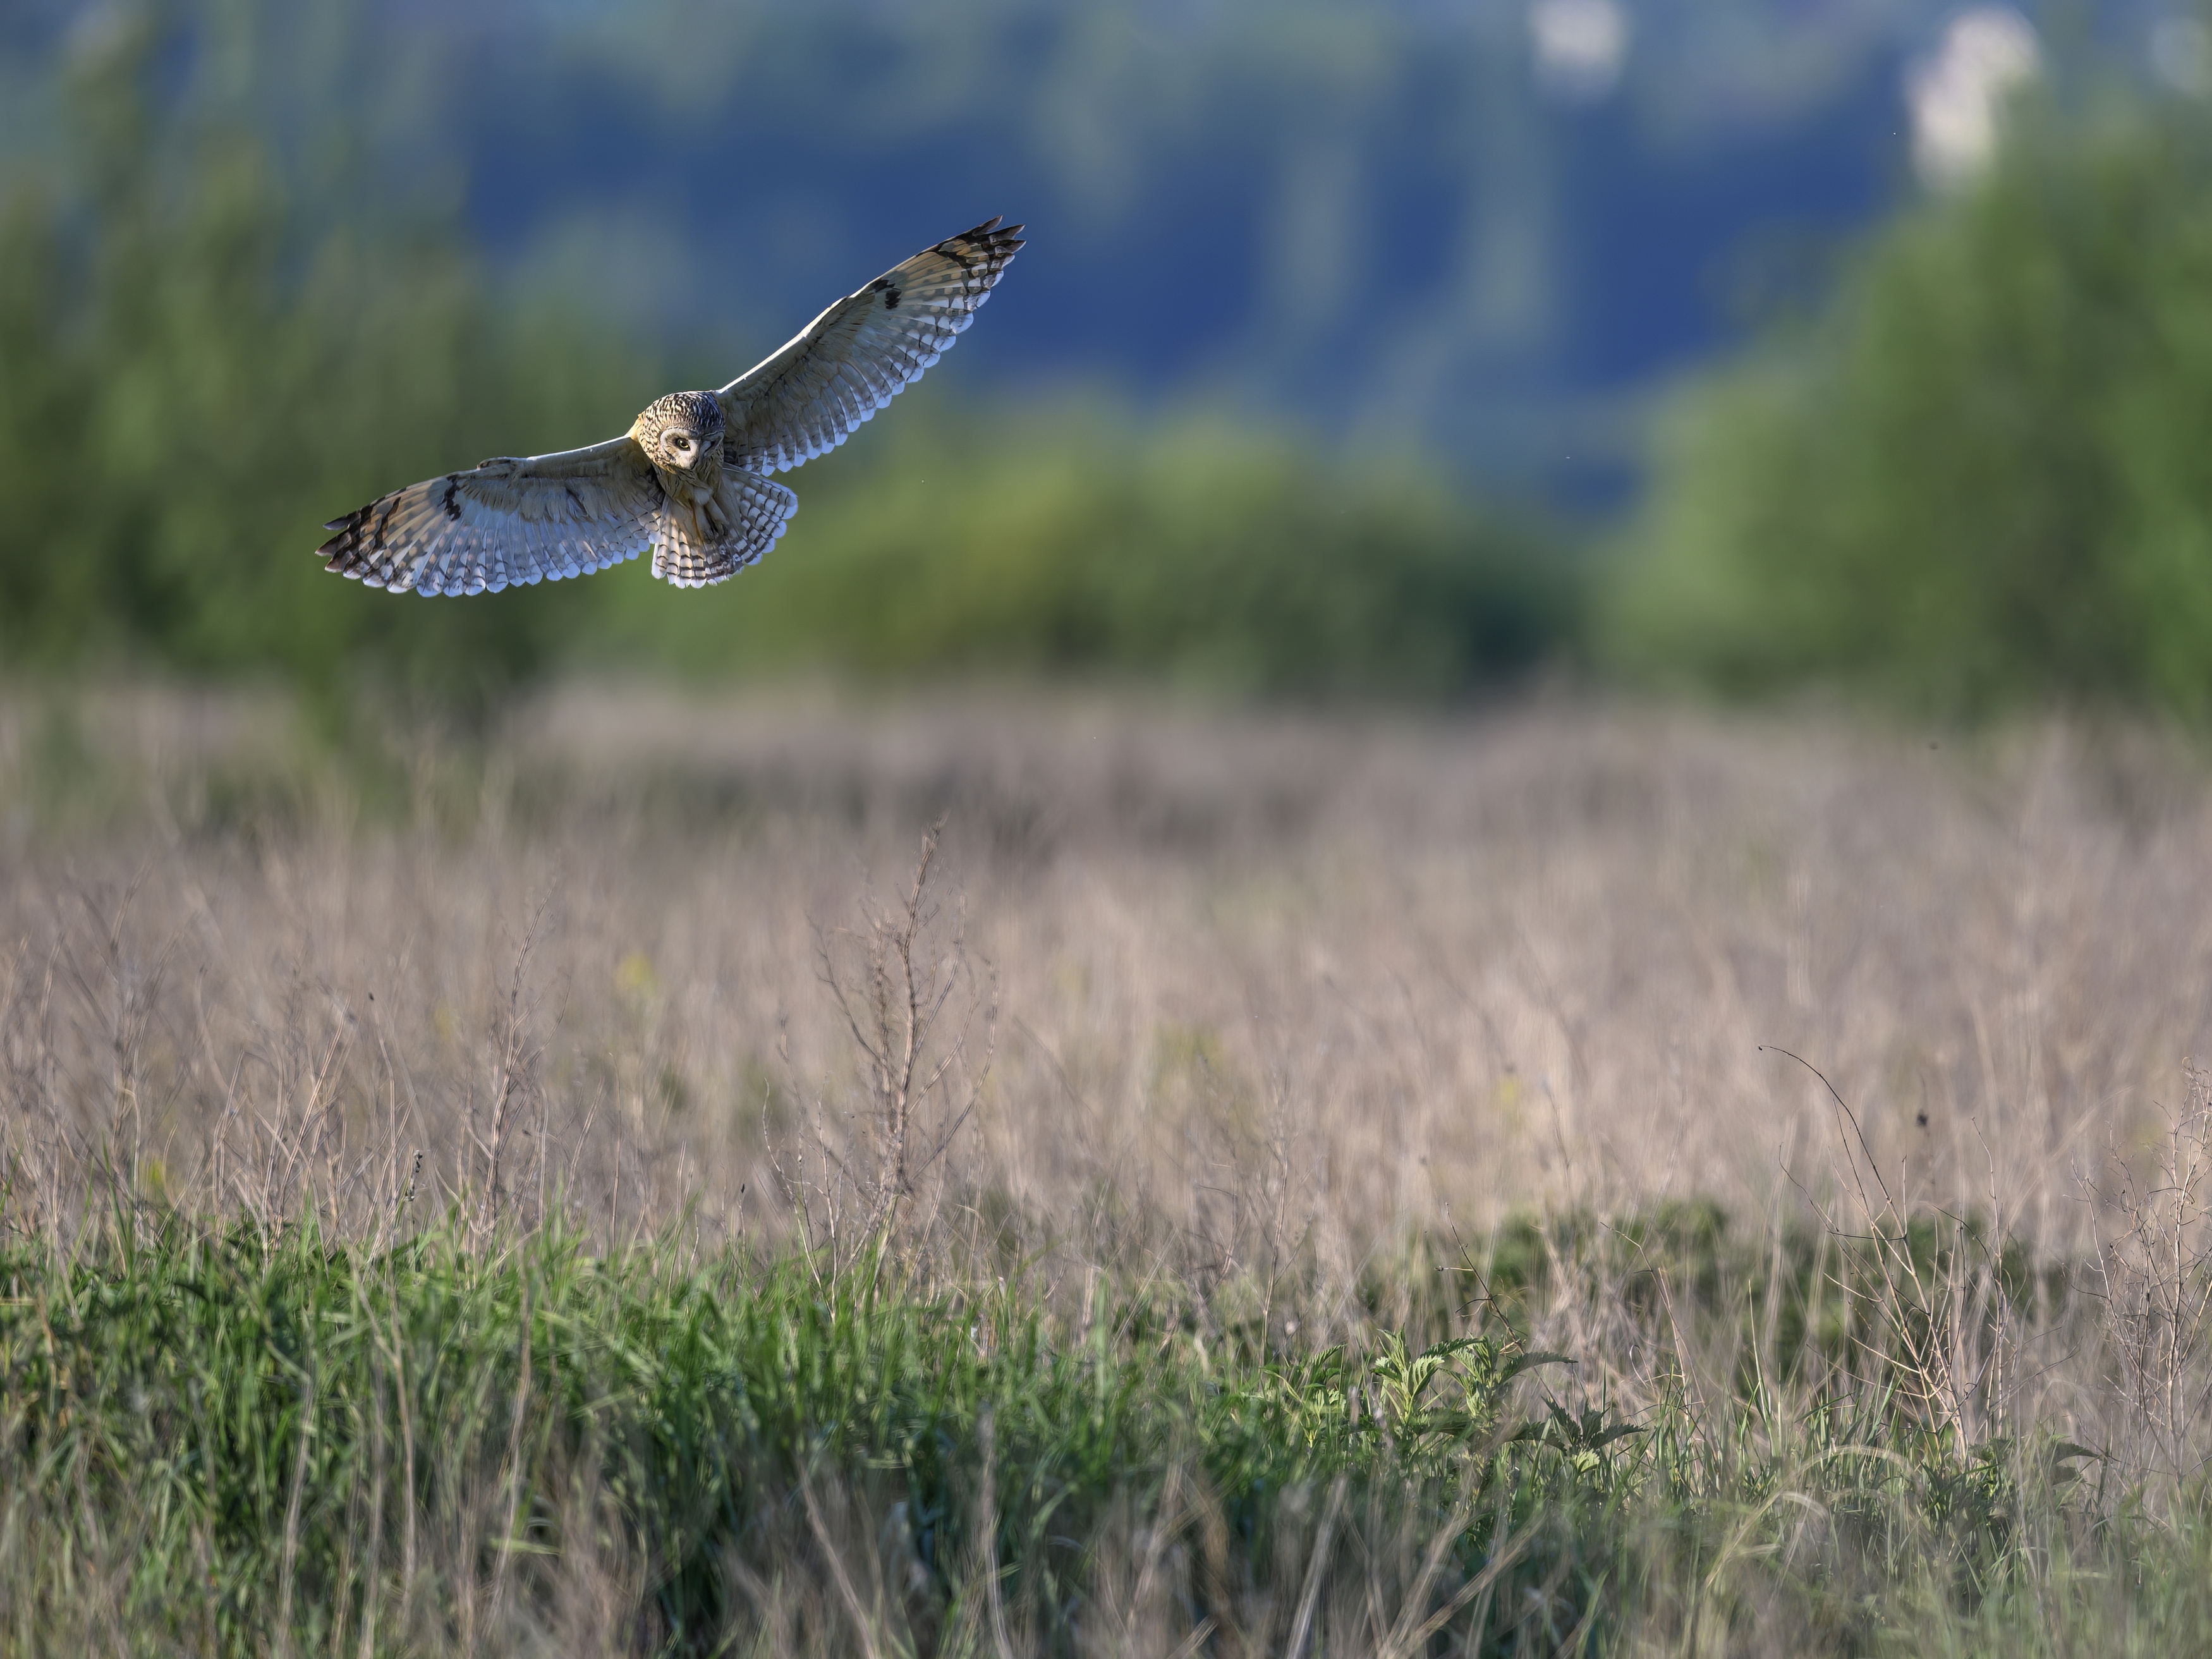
(1241, 1004)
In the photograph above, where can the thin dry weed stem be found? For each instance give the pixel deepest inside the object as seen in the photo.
(894, 980)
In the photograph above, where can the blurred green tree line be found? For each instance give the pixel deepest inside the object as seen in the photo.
(1981, 473)
(197, 368)
(201, 360)
(1070, 538)
(1974, 476)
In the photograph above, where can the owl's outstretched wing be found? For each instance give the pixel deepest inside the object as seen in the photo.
(517, 520)
(511, 520)
(851, 360)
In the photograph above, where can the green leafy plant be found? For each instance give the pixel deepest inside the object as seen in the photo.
(1966, 482)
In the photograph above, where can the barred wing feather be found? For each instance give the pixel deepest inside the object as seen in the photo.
(807, 398)
(517, 520)
(509, 522)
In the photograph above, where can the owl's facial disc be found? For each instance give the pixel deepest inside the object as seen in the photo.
(680, 430)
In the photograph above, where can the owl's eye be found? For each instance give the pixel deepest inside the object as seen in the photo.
(680, 441)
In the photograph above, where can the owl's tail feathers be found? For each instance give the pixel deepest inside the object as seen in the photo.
(692, 553)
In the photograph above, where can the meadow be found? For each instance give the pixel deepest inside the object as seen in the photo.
(992, 1173)
(1430, 1150)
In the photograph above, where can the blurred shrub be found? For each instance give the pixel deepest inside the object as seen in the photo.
(1981, 476)
(1068, 540)
(200, 361)
(209, 344)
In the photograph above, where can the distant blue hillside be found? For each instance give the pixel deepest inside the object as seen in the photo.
(1370, 221)
(1361, 221)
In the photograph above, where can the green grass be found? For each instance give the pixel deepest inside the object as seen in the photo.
(234, 1397)
(219, 1442)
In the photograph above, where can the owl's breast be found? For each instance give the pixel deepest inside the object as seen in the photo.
(692, 486)
(694, 489)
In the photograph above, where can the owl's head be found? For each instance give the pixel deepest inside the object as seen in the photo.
(677, 431)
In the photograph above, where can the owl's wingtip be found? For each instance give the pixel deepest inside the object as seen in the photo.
(995, 231)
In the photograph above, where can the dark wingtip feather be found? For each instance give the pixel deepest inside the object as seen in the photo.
(993, 234)
(343, 552)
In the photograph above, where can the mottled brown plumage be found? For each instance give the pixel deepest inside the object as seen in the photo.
(690, 478)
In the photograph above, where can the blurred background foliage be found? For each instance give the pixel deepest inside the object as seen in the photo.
(1982, 474)
(1361, 351)
(1072, 539)
(202, 361)
(196, 368)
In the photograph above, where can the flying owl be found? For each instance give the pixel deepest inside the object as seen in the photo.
(690, 478)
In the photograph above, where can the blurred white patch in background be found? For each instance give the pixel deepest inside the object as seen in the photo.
(2181, 54)
(1957, 95)
(1580, 46)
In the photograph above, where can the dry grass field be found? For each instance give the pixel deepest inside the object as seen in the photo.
(1279, 1020)
(1282, 986)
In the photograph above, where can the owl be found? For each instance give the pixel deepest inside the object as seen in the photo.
(691, 477)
